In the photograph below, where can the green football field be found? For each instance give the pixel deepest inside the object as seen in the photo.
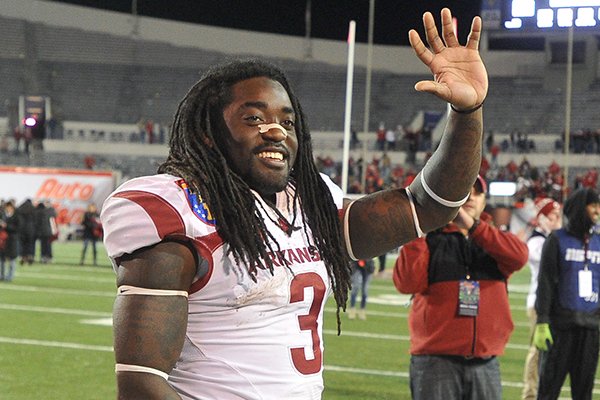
(56, 339)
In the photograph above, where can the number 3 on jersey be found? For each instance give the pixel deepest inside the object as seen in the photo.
(308, 322)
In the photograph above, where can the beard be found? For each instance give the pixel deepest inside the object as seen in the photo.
(265, 182)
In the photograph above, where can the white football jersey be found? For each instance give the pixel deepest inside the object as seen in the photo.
(244, 339)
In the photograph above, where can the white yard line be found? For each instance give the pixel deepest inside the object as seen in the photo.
(346, 332)
(72, 292)
(64, 277)
(332, 368)
(54, 310)
(63, 345)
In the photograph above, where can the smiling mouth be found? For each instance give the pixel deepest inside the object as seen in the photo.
(270, 155)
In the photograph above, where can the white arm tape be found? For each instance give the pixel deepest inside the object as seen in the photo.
(411, 201)
(444, 202)
(347, 233)
(139, 368)
(126, 290)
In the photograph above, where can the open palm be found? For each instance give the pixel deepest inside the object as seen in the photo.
(460, 77)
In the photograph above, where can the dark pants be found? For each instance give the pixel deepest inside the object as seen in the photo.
(382, 259)
(454, 378)
(27, 246)
(86, 242)
(360, 282)
(45, 248)
(574, 352)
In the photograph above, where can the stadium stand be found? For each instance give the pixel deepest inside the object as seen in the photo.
(115, 80)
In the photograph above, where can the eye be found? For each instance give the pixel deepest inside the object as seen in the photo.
(288, 123)
(253, 118)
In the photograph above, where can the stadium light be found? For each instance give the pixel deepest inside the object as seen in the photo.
(574, 3)
(502, 188)
(545, 15)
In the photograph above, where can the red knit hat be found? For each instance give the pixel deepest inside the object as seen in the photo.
(545, 206)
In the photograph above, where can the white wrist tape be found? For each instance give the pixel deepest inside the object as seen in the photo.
(411, 201)
(347, 232)
(444, 202)
(139, 368)
(126, 290)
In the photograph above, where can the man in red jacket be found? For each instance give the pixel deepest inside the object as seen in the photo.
(460, 318)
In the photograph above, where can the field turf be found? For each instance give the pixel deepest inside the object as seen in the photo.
(56, 341)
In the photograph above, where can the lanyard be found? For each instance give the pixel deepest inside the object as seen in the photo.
(586, 244)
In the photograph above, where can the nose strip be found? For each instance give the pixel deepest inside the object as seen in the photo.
(264, 128)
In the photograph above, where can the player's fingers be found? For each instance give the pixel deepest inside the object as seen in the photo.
(475, 34)
(435, 88)
(419, 47)
(448, 29)
(431, 33)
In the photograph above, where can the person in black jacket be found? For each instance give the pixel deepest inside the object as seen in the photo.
(26, 213)
(567, 300)
(9, 223)
(45, 229)
(92, 231)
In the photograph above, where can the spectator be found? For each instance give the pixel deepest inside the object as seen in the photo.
(4, 144)
(567, 300)
(89, 161)
(27, 138)
(149, 128)
(547, 219)
(460, 318)
(380, 134)
(45, 229)
(9, 224)
(92, 232)
(354, 141)
(26, 213)
(362, 271)
(411, 139)
(489, 141)
(17, 135)
(141, 126)
(390, 139)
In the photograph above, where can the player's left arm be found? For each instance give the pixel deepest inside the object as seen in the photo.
(383, 221)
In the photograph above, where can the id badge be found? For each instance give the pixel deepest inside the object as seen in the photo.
(585, 283)
(468, 297)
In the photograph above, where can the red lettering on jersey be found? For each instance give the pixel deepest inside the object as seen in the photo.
(275, 259)
(315, 255)
(292, 256)
(303, 254)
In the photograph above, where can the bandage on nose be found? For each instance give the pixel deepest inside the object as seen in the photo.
(264, 128)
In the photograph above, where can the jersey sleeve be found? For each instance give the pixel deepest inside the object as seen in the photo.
(142, 213)
(336, 191)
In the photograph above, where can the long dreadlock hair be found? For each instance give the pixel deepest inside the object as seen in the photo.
(197, 155)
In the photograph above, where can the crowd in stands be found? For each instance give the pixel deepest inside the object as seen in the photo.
(532, 182)
(150, 132)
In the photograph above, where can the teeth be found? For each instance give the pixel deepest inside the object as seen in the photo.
(274, 155)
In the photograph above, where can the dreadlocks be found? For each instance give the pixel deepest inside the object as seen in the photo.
(196, 155)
